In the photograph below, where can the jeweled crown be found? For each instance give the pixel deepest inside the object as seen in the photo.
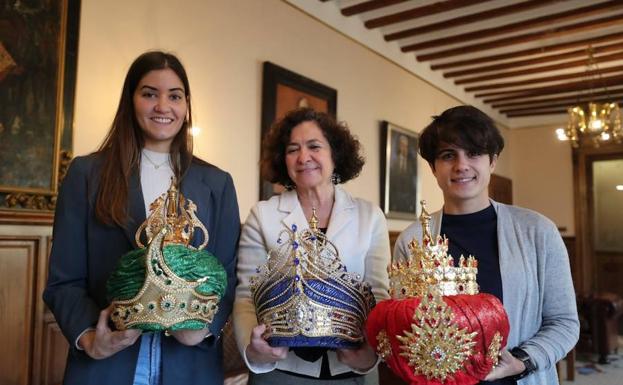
(437, 328)
(430, 270)
(305, 295)
(165, 298)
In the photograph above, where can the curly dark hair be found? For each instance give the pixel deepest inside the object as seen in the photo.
(464, 126)
(345, 148)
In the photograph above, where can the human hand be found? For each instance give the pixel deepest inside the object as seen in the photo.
(361, 359)
(507, 366)
(190, 337)
(260, 352)
(103, 342)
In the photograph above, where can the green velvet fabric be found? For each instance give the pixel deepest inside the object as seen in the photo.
(129, 276)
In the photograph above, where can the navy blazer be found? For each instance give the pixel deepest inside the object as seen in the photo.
(85, 251)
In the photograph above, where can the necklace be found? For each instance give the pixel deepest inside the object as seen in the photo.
(156, 165)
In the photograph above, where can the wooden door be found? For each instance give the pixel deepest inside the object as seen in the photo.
(599, 244)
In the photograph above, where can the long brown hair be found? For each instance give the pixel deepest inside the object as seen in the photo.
(121, 148)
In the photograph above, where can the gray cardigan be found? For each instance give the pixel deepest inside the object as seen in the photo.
(536, 281)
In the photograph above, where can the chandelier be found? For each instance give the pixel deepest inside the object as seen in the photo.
(594, 123)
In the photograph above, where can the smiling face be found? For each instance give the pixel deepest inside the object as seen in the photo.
(160, 106)
(308, 157)
(464, 178)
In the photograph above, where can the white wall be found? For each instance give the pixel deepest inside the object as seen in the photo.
(223, 44)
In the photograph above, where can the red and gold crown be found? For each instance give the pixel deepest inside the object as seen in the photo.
(437, 328)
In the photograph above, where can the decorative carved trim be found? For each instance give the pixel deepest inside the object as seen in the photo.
(39, 202)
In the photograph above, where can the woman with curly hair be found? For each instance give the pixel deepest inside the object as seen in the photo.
(310, 154)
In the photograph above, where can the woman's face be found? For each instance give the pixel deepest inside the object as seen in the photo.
(160, 106)
(308, 157)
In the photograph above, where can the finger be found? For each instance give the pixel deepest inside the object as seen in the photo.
(257, 331)
(280, 352)
(492, 374)
(131, 335)
(102, 322)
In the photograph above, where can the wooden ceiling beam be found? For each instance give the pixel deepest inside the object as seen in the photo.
(558, 111)
(582, 101)
(544, 111)
(531, 51)
(538, 70)
(367, 6)
(425, 10)
(547, 20)
(538, 60)
(569, 99)
(533, 36)
(468, 19)
(552, 90)
(546, 79)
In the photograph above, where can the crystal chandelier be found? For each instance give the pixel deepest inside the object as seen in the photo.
(593, 123)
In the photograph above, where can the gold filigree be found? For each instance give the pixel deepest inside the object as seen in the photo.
(169, 298)
(172, 209)
(430, 269)
(295, 292)
(45, 202)
(384, 347)
(494, 348)
(435, 347)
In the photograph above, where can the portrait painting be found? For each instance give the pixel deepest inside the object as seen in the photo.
(38, 50)
(284, 91)
(399, 176)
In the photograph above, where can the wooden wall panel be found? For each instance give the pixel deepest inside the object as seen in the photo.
(54, 353)
(18, 273)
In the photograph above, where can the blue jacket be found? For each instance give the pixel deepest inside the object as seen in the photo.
(85, 251)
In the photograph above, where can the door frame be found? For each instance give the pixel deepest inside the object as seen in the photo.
(584, 266)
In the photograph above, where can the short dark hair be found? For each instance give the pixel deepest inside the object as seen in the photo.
(345, 148)
(464, 126)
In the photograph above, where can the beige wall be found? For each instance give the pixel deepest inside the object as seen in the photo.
(223, 44)
(543, 174)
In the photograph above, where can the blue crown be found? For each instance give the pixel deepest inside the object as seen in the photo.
(306, 297)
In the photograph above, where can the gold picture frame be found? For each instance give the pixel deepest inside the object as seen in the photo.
(39, 42)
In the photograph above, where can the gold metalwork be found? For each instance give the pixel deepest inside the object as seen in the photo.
(165, 298)
(435, 347)
(599, 122)
(304, 257)
(384, 347)
(494, 348)
(430, 269)
(173, 210)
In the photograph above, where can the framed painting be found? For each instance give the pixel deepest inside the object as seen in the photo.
(283, 91)
(38, 52)
(399, 173)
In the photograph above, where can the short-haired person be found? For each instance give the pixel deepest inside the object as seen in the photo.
(521, 256)
(311, 154)
(103, 200)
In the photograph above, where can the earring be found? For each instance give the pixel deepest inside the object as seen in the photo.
(335, 178)
(289, 185)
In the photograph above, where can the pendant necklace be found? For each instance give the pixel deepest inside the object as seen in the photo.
(156, 165)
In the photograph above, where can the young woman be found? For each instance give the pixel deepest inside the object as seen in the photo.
(102, 201)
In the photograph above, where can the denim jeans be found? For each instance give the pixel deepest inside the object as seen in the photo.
(149, 363)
